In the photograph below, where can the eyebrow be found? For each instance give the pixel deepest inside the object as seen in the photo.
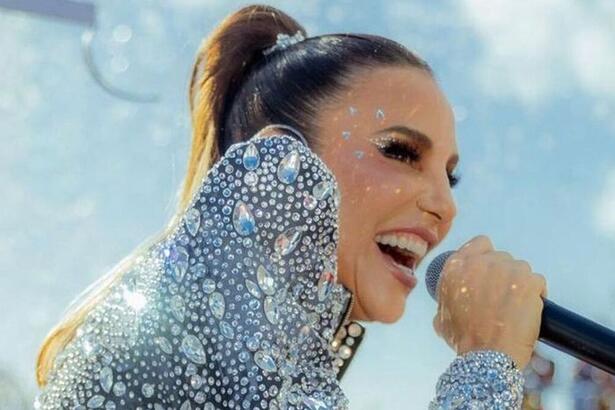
(419, 138)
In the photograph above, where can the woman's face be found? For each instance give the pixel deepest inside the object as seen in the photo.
(390, 141)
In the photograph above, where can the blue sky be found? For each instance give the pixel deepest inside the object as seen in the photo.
(85, 176)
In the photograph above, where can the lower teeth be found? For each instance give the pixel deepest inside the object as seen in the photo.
(404, 267)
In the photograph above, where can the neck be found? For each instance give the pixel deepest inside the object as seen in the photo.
(358, 313)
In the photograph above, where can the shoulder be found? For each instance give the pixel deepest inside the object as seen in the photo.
(115, 357)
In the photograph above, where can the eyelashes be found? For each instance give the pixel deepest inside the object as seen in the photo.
(405, 152)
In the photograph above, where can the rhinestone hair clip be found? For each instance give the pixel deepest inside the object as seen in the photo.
(283, 41)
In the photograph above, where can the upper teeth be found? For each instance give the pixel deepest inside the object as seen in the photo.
(404, 241)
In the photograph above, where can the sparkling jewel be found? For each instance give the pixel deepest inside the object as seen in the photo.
(216, 304)
(209, 285)
(286, 242)
(178, 308)
(226, 329)
(193, 349)
(312, 403)
(288, 169)
(147, 389)
(250, 178)
(106, 378)
(164, 344)
(265, 280)
(96, 402)
(243, 220)
(199, 270)
(193, 221)
(322, 189)
(265, 361)
(119, 389)
(196, 381)
(325, 283)
(251, 158)
(272, 311)
(252, 343)
(178, 262)
(309, 202)
(253, 288)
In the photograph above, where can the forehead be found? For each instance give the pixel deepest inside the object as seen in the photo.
(404, 95)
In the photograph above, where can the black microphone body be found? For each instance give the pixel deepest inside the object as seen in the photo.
(578, 336)
(560, 328)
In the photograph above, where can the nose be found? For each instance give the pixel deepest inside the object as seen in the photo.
(437, 199)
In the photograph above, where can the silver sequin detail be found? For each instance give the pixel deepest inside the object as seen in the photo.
(208, 317)
(483, 379)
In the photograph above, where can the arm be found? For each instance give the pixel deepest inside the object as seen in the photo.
(484, 379)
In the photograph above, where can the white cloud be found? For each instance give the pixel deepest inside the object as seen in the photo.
(604, 207)
(534, 49)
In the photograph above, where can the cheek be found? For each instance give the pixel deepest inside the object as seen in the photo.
(369, 180)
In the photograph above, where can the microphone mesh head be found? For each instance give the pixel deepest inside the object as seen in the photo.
(433, 272)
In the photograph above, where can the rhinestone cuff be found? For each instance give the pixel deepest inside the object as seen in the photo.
(484, 379)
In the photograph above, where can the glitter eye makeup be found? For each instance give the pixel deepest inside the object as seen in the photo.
(400, 149)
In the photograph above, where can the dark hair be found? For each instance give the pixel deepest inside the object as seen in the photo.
(236, 89)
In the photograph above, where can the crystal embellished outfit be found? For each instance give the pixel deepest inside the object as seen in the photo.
(239, 307)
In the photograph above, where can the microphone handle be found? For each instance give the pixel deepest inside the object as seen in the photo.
(578, 336)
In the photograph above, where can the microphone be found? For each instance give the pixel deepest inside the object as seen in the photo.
(560, 328)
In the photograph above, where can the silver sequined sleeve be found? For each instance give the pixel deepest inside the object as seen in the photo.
(235, 308)
(484, 379)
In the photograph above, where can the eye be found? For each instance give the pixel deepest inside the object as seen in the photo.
(453, 178)
(398, 150)
(403, 151)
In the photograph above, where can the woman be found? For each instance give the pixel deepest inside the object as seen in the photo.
(320, 176)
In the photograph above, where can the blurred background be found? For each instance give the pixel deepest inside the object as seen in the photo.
(94, 138)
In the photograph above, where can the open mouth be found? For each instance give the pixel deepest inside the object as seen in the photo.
(400, 256)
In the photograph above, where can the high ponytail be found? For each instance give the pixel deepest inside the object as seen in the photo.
(235, 90)
(221, 65)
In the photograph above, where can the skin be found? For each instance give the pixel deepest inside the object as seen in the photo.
(486, 299)
(384, 193)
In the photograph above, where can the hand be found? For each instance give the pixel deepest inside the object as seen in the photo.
(489, 300)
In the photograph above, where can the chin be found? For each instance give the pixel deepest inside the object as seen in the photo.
(390, 311)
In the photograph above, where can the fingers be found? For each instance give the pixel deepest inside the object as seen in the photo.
(478, 245)
(540, 282)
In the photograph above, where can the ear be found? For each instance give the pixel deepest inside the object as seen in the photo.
(277, 129)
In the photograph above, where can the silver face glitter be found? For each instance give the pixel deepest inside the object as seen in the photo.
(380, 114)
